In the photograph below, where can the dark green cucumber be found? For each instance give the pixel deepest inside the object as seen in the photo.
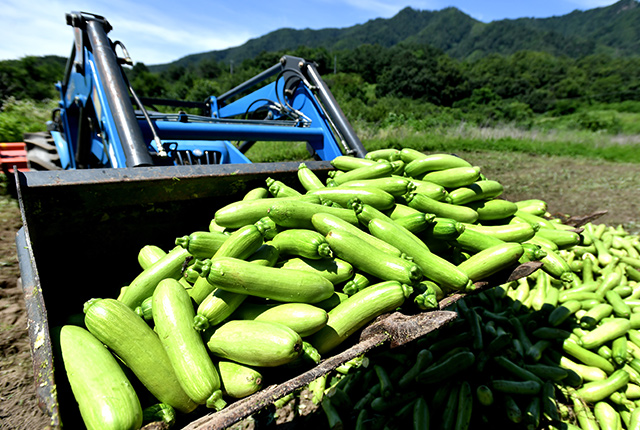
(138, 346)
(243, 277)
(424, 358)
(561, 313)
(358, 310)
(465, 407)
(173, 316)
(516, 387)
(445, 369)
(255, 343)
(105, 396)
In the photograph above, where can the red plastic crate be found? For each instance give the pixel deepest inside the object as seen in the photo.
(13, 154)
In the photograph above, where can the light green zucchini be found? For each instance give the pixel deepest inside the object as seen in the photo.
(494, 209)
(454, 177)
(432, 266)
(243, 277)
(242, 243)
(173, 316)
(298, 214)
(169, 266)
(376, 170)
(238, 380)
(118, 327)
(349, 162)
(202, 244)
(356, 311)
(255, 343)
(105, 396)
(376, 197)
(479, 190)
(303, 318)
(369, 259)
(244, 212)
(441, 209)
(303, 243)
(334, 269)
(394, 185)
(325, 222)
(432, 162)
(491, 260)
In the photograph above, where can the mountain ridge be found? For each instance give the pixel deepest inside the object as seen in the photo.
(613, 29)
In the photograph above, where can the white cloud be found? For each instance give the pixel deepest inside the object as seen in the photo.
(381, 8)
(152, 32)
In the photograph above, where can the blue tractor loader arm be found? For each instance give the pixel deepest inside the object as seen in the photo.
(102, 123)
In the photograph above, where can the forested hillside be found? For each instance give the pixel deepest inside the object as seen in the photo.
(613, 29)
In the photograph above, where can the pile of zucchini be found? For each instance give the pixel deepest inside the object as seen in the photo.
(285, 277)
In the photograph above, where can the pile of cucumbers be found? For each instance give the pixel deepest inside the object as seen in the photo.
(284, 277)
(554, 350)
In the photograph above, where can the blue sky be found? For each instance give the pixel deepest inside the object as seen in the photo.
(162, 31)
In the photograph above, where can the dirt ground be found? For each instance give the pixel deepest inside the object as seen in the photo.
(569, 187)
(18, 404)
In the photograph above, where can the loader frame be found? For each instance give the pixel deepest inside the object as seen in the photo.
(101, 122)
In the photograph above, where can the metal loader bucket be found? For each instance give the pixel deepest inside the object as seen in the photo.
(81, 234)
